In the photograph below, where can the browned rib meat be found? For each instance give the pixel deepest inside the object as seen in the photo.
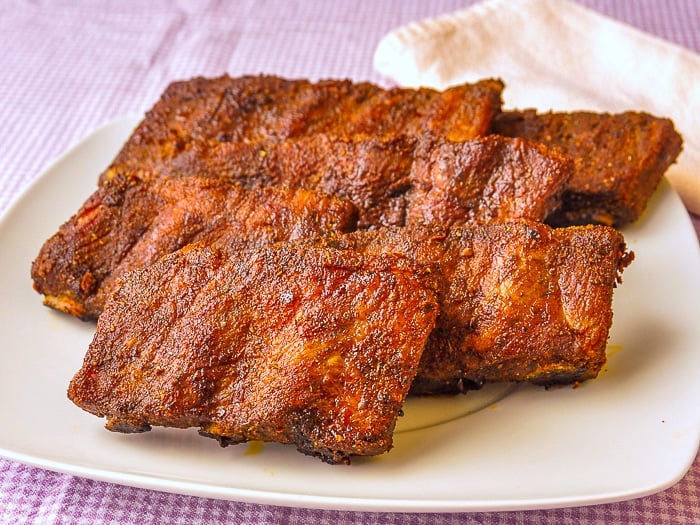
(619, 159)
(375, 174)
(315, 342)
(484, 180)
(400, 180)
(518, 301)
(268, 109)
(311, 346)
(128, 224)
(523, 303)
(137, 216)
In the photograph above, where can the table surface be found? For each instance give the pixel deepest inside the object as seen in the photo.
(70, 67)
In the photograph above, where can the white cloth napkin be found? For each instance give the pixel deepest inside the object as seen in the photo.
(555, 54)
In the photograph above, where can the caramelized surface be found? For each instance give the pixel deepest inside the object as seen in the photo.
(311, 346)
(270, 109)
(398, 180)
(128, 224)
(487, 179)
(619, 159)
(136, 217)
(519, 301)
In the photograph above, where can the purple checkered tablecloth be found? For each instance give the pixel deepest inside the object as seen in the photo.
(69, 67)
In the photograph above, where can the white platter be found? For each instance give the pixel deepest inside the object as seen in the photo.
(633, 431)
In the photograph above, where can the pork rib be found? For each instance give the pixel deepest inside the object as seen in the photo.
(128, 224)
(311, 346)
(137, 216)
(316, 342)
(619, 159)
(519, 301)
(269, 109)
(398, 180)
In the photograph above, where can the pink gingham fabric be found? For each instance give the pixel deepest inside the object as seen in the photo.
(68, 67)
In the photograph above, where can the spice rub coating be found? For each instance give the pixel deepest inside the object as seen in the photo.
(128, 224)
(135, 217)
(315, 347)
(619, 159)
(484, 180)
(518, 301)
(265, 109)
(398, 180)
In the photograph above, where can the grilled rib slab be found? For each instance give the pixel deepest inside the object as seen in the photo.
(128, 224)
(619, 159)
(311, 346)
(137, 216)
(519, 301)
(398, 180)
(269, 109)
(317, 342)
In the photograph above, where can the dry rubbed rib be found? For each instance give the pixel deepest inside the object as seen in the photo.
(264, 109)
(484, 180)
(518, 301)
(619, 159)
(523, 303)
(138, 216)
(399, 180)
(373, 173)
(311, 346)
(128, 224)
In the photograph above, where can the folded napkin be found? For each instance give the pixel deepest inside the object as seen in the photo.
(556, 55)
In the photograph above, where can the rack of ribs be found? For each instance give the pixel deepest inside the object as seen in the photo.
(135, 217)
(400, 180)
(619, 159)
(519, 301)
(311, 346)
(269, 109)
(128, 224)
(316, 342)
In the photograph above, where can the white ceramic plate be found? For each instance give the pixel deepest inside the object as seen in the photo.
(633, 431)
